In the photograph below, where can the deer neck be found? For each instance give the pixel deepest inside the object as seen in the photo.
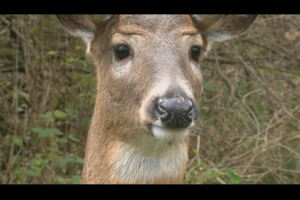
(112, 158)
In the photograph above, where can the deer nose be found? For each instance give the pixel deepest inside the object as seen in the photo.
(177, 111)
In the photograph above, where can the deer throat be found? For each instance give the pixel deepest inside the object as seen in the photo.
(148, 160)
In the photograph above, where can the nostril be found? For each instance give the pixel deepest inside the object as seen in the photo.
(163, 104)
(159, 101)
(191, 113)
(160, 107)
(190, 106)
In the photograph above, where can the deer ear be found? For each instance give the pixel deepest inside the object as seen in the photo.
(84, 26)
(222, 27)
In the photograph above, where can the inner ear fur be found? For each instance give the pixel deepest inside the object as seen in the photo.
(85, 26)
(222, 27)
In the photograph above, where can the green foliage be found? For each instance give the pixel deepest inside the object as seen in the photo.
(51, 53)
(43, 164)
(59, 114)
(203, 174)
(71, 137)
(18, 141)
(233, 176)
(33, 174)
(75, 179)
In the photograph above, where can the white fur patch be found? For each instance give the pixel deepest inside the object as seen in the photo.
(85, 34)
(170, 136)
(148, 160)
(121, 69)
(219, 36)
(107, 17)
(87, 37)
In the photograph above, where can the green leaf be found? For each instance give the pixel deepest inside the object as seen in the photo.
(19, 172)
(199, 162)
(18, 141)
(55, 131)
(69, 60)
(195, 151)
(22, 125)
(221, 181)
(42, 132)
(48, 115)
(33, 141)
(85, 121)
(62, 165)
(219, 165)
(51, 53)
(7, 139)
(233, 176)
(63, 140)
(75, 179)
(74, 159)
(208, 86)
(78, 160)
(207, 174)
(38, 162)
(32, 173)
(47, 132)
(71, 137)
(59, 114)
(34, 29)
(296, 136)
(59, 179)
(191, 176)
(36, 40)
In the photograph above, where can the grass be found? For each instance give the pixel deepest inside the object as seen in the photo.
(250, 108)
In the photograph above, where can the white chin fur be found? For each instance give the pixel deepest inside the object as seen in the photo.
(170, 136)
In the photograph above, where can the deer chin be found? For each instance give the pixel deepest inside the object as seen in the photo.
(168, 135)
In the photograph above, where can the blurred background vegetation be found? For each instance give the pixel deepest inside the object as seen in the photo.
(249, 113)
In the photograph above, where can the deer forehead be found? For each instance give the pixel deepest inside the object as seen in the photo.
(154, 30)
(157, 23)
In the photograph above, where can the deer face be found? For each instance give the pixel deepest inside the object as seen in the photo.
(148, 68)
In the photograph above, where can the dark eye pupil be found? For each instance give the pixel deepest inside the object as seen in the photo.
(121, 51)
(195, 52)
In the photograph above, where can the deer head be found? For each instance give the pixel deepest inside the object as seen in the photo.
(149, 85)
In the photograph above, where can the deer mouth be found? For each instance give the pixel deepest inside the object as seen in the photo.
(168, 135)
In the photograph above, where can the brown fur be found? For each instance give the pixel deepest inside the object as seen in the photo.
(160, 46)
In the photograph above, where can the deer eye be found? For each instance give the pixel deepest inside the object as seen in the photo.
(121, 51)
(196, 52)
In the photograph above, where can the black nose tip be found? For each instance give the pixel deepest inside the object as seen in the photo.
(176, 112)
(173, 109)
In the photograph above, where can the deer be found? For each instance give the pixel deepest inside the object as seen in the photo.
(149, 84)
